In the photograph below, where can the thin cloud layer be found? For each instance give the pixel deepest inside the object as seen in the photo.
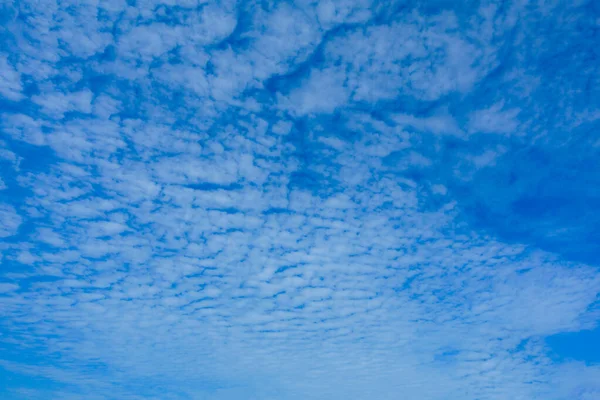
(297, 200)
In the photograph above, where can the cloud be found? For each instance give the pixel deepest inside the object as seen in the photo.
(11, 220)
(494, 120)
(442, 124)
(10, 81)
(56, 104)
(305, 200)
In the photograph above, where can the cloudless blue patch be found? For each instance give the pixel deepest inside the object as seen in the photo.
(534, 196)
(576, 346)
(277, 210)
(209, 186)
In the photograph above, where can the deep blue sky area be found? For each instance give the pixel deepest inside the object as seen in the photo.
(335, 199)
(580, 346)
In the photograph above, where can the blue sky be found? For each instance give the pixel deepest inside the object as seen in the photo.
(299, 200)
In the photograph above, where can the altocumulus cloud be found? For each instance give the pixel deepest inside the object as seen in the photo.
(298, 199)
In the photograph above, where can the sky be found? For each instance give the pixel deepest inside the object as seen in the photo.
(281, 200)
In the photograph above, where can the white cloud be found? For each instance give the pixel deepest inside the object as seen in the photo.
(217, 216)
(494, 119)
(8, 287)
(10, 80)
(323, 92)
(56, 104)
(10, 220)
(438, 124)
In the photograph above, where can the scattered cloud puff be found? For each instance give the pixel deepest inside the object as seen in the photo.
(10, 220)
(297, 200)
(494, 120)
